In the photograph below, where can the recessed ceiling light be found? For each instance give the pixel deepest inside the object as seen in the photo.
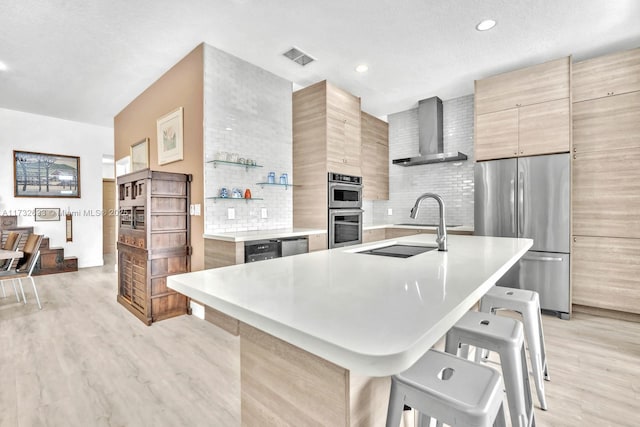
(485, 25)
(228, 128)
(3, 66)
(362, 68)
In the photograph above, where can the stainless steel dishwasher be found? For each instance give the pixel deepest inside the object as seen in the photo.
(294, 246)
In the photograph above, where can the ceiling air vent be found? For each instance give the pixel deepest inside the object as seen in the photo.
(296, 55)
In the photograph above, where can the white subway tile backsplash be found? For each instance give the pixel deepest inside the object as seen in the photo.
(247, 111)
(453, 181)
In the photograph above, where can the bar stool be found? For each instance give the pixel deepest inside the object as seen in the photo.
(527, 303)
(504, 336)
(450, 389)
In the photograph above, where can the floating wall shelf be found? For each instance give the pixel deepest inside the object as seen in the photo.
(233, 198)
(262, 184)
(225, 163)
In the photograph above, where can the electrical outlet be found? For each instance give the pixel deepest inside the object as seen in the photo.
(263, 213)
(231, 213)
(389, 211)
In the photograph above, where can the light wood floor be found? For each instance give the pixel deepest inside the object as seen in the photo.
(83, 360)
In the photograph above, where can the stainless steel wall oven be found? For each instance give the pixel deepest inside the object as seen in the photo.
(345, 210)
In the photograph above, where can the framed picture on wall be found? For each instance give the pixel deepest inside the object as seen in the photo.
(170, 147)
(45, 175)
(47, 214)
(139, 154)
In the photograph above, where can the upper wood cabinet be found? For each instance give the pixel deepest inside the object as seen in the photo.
(525, 112)
(544, 128)
(524, 131)
(532, 85)
(496, 135)
(607, 123)
(375, 158)
(607, 75)
(343, 131)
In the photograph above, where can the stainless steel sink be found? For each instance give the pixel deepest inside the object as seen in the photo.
(398, 251)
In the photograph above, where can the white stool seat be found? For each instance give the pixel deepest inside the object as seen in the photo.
(450, 389)
(527, 303)
(504, 336)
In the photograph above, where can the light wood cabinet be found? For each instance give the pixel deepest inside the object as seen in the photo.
(317, 242)
(326, 138)
(526, 112)
(607, 75)
(607, 123)
(343, 131)
(606, 182)
(606, 193)
(532, 85)
(606, 272)
(544, 128)
(497, 135)
(524, 131)
(373, 235)
(375, 158)
(153, 242)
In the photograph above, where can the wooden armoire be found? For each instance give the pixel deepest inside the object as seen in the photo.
(153, 242)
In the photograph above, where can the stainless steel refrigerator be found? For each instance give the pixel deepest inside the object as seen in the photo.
(530, 197)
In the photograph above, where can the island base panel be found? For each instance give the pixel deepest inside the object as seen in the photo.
(221, 320)
(285, 385)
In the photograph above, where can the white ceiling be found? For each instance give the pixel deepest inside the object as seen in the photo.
(86, 60)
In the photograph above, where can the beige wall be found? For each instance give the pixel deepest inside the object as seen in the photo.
(181, 86)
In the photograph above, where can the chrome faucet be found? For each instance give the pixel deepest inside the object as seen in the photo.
(441, 238)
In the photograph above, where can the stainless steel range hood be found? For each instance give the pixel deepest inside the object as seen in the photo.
(430, 138)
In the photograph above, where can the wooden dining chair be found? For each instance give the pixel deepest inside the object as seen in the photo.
(25, 265)
(11, 244)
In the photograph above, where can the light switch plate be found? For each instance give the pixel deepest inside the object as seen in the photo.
(231, 213)
(389, 211)
(263, 213)
(192, 210)
(197, 209)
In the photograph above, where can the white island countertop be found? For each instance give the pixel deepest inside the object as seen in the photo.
(373, 315)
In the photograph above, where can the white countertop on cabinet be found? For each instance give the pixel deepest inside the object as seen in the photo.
(243, 236)
(371, 314)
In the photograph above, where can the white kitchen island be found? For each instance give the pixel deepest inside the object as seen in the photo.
(321, 332)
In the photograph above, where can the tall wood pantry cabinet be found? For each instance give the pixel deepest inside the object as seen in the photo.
(375, 158)
(326, 138)
(606, 182)
(153, 242)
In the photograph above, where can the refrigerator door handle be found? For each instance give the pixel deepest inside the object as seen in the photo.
(520, 204)
(512, 207)
(541, 258)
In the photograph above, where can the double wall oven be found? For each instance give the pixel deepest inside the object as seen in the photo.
(345, 210)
